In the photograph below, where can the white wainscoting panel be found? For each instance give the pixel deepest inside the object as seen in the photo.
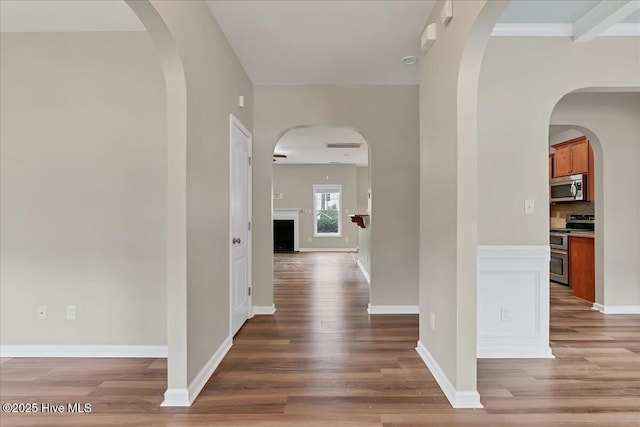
(513, 302)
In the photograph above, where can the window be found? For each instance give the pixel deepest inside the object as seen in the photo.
(327, 201)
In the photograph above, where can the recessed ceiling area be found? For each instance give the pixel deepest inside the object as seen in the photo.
(324, 42)
(547, 11)
(37, 16)
(308, 145)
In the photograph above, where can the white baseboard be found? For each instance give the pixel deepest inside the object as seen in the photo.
(94, 351)
(521, 352)
(182, 397)
(176, 397)
(393, 309)
(513, 302)
(328, 249)
(264, 309)
(457, 398)
(617, 309)
(365, 273)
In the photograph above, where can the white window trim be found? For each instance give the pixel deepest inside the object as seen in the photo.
(315, 217)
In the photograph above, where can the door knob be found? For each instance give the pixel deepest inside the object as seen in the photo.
(236, 240)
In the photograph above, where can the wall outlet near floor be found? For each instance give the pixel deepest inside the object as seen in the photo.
(432, 321)
(505, 314)
(42, 312)
(71, 312)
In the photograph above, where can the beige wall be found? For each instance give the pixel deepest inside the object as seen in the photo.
(614, 119)
(387, 118)
(296, 182)
(83, 196)
(448, 198)
(363, 189)
(363, 203)
(522, 80)
(214, 80)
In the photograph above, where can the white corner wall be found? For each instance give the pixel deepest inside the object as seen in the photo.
(83, 194)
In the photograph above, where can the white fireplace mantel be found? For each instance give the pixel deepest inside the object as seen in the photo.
(290, 214)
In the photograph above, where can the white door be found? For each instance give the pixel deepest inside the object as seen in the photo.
(240, 239)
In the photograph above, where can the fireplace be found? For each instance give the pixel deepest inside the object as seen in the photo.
(280, 217)
(283, 235)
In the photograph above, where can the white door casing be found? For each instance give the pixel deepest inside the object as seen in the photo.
(240, 217)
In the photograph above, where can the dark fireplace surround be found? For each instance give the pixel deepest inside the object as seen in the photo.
(283, 235)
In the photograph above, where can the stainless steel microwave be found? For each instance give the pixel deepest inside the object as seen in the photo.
(568, 188)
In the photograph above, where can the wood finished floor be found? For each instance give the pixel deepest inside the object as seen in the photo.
(322, 361)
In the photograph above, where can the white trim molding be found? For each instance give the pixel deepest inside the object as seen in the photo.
(623, 29)
(176, 397)
(291, 215)
(559, 30)
(532, 30)
(328, 249)
(365, 273)
(186, 397)
(92, 351)
(513, 302)
(602, 17)
(457, 398)
(393, 309)
(259, 310)
(617, 309)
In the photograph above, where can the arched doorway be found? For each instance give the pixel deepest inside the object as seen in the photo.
(321, 178)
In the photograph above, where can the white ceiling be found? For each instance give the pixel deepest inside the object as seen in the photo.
(307, 144)
(67, 16)
(309, 42)
(324, 42)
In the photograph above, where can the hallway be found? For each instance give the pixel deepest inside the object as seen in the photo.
(322, 361)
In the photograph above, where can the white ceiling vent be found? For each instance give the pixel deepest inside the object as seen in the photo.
(344, 145)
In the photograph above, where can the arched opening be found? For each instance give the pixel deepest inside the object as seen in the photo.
(607, 118)
(176, 255)
(322, 194)
(106, 180)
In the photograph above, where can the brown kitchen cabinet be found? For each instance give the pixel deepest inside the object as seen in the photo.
(571, 157)
(582, 277)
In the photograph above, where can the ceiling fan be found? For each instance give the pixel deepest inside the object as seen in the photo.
(279, 156)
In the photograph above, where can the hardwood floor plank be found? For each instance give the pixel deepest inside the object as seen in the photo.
(321, 361)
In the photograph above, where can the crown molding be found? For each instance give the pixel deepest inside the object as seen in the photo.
(559, 30)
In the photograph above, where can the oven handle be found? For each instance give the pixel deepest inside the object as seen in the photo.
(574, 190)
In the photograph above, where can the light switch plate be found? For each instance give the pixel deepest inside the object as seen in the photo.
(529, 207)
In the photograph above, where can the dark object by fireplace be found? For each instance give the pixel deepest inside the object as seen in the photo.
(283, 235)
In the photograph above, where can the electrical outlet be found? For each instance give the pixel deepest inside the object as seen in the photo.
(432, 321)
(71, 312)
(505, 314)
(346, 239)
(42, 312)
